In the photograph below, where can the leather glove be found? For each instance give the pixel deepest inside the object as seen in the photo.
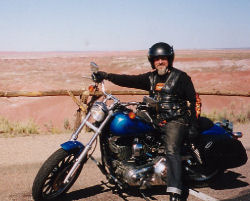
(99, 76)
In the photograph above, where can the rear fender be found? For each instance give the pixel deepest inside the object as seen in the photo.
(217, 131)
(72, 146)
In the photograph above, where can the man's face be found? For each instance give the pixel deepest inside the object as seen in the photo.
(161, 65)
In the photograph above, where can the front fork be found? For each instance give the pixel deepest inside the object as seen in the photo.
(89, 144)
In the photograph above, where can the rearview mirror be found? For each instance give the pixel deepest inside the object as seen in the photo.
(94, 67)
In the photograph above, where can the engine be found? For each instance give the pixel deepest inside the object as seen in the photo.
(138, 161)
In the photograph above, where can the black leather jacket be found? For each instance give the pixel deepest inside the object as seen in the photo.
(176, 93)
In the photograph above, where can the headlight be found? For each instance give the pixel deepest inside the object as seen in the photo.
(98, 111)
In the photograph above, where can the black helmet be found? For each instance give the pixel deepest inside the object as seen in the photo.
(161, 49)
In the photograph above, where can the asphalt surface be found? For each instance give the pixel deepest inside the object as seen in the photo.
(22, 157)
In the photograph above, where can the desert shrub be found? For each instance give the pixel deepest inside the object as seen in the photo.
(237, 117)
(67, 126)
(14, 128)
(51, 129)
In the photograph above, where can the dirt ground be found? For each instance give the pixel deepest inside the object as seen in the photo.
(21, 157)
(210, 70)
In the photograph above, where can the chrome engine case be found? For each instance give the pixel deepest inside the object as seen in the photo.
(150, 174)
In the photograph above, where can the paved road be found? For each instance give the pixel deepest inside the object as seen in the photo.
(22, 157)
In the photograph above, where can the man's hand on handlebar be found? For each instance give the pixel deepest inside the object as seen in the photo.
(99, 76)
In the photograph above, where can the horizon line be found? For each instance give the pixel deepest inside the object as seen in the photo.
(78, 51)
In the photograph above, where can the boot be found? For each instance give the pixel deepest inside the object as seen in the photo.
(174, 197)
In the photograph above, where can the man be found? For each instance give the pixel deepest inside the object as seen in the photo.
(173, 89)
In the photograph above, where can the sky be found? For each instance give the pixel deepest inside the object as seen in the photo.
(118, 25)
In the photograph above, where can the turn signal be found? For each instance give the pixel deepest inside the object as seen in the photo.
(237, 135)
(131, 115)
(91, 88)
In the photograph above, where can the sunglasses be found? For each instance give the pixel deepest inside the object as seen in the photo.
(160, 57)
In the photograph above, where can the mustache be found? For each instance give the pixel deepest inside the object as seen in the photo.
(161, 65)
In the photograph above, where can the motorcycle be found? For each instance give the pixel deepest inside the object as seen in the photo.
(132, 149)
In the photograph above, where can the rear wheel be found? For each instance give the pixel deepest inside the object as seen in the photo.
(48, 184)
(202, 176)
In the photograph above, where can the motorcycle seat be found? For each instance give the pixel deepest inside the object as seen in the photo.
(204, 123)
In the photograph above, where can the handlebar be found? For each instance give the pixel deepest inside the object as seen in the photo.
(130, 103)
(147, 100)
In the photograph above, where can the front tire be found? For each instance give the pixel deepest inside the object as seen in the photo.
(48, 184)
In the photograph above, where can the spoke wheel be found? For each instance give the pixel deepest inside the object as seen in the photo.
(48, 183)
(201, 177)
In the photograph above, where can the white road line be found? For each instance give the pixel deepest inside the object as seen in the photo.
(201, 195)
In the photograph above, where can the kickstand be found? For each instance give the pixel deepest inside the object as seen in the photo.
(116, 189)
(143, 195)
(119, 192)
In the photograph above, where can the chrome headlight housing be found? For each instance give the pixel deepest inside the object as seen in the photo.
(98, 111)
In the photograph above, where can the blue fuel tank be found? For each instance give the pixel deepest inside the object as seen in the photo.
(122, 125)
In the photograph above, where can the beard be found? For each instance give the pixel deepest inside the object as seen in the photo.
(162, 71)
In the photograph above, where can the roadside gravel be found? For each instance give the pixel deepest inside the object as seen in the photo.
(34, 149)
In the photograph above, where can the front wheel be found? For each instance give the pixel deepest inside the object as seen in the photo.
(48, 184)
